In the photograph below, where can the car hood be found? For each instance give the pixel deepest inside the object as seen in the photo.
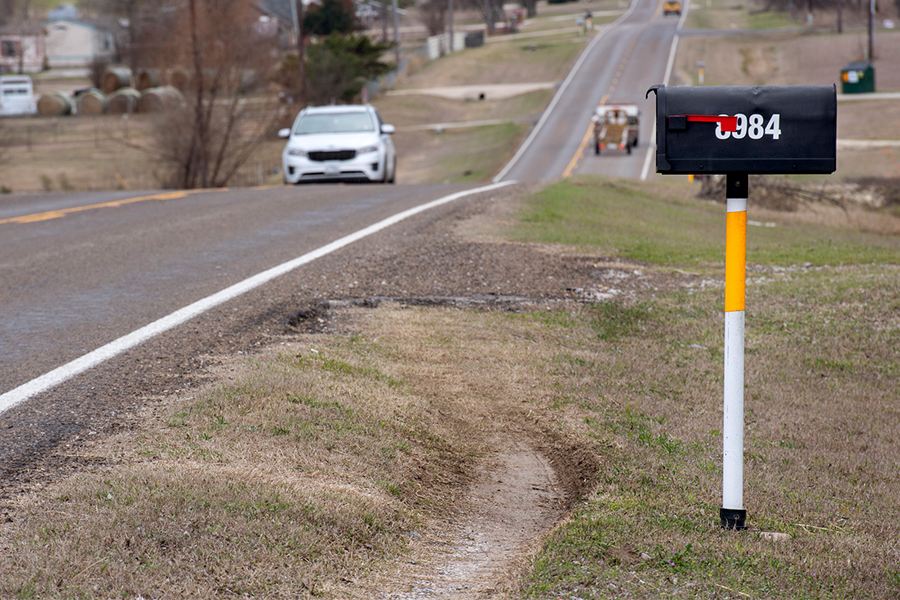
(332, 141)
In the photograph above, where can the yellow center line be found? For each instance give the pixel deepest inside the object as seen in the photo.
(584, 142)
(574, 162)
(56, 214)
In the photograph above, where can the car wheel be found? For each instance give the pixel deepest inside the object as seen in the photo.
(393, 178)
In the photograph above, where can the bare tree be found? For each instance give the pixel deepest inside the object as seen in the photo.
(13, 12)
(530, 7)
(7, 11)
(4, 140)
(491, 11)
(854, 10)
(203, 143)
(433, 14)
(148, 26)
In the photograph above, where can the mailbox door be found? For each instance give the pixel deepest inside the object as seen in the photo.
(777, 129)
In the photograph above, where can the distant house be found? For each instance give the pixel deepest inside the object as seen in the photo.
(72, 43)
(22, 49)
(284, 15)
(64, 11)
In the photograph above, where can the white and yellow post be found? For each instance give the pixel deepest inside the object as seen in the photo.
(732, 514)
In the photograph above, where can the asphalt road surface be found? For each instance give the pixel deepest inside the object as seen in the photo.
(77, 272)
(619, 65)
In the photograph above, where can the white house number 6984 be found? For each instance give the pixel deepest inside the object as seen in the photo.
(751, 127)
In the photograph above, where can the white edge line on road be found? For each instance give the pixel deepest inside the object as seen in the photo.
(126, 342)
(560, 92)
(669, 65)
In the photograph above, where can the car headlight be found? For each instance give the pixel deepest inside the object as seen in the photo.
(296, 152)
(367, 149)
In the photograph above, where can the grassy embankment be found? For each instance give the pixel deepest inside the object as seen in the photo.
(310, 466)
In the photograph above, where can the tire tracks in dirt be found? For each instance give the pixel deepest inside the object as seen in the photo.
(516, 500)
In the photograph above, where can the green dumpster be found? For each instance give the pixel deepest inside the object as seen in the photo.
(858, 78)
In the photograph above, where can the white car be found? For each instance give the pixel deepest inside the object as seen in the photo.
(339, 143)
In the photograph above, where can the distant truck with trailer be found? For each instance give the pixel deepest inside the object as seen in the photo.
(616, 126)
(16, 96)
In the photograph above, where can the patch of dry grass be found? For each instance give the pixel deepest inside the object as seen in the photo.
(100, 153)
(821, 465)
(291, 478)
(302, 469)
(511, 60)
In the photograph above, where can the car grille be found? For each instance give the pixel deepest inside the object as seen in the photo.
(323, 155)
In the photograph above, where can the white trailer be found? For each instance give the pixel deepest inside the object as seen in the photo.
(16, 96)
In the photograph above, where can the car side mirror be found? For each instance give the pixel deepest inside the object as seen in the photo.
(284, 133)
(388, 129)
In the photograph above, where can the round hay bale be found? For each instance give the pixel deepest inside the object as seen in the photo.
(179, 79)
(115, 78)
(159, 99)
(54, 104)
(123, 101)
(91, 103)
(148, 78)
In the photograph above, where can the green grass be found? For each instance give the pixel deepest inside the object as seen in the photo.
(822, 348)
(624, 220)
(650, 528)
(769, 20)
(488, 152)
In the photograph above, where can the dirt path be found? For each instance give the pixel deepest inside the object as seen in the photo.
(515, 502)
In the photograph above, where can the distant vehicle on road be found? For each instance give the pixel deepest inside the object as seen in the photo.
(16, 96)
(616, 126)
(672, 7)
(339, 143)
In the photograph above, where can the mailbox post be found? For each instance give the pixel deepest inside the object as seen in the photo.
(737, 131)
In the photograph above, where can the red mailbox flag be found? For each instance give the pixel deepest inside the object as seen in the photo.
(727, 123)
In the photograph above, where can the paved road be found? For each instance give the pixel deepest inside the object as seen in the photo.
(78, 271)
(619, 65)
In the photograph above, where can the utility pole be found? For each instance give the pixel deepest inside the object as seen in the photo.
(871, 30)
(200, 139)
(396, 35)
(297, 10)
(450, 23)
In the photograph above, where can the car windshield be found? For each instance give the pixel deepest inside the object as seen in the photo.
(345, 122)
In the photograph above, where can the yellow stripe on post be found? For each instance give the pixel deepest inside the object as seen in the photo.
(735, 260)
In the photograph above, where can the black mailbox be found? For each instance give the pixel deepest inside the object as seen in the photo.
(752, 129)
